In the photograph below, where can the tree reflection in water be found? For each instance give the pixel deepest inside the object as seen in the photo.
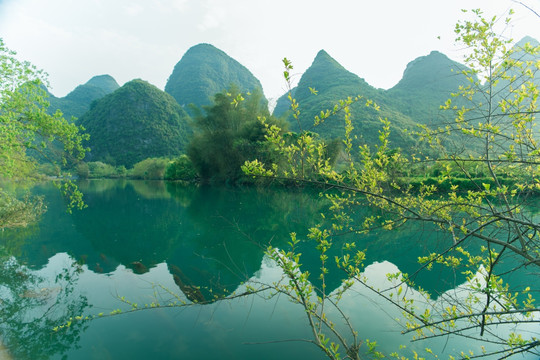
(200, 243)
(32, 305)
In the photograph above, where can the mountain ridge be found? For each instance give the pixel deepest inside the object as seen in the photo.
(78, 101)
(427, 82)
(333, 83)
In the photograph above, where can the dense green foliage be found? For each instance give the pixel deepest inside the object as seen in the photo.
(25, 123)
(15, 212)
(205, 71)
(147, 169)
(99, 170)
(133, 123)
(77, 102)
(26, 133)
(150, 169)
(181, 169)
(229, 132)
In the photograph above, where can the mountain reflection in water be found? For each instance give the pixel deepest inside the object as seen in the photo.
(145, 240)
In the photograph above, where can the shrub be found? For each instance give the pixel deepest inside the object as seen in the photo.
(181, 169)
(150, 169)
(99, 169)
(82, 170)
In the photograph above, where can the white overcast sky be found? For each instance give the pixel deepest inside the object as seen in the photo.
(73, 40)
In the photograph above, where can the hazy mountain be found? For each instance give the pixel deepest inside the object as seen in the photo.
(427, 83)
(77, 102)
(522, 55)
(333, 83)
(527, 40)
(331, 80)
(204, 71)
(135, 122)
(283, 104)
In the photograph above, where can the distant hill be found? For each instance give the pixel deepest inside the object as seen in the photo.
(77, 102)
(427, 83)
(331, 80)
(527, 40)
(521, 55)
(204, 71)
(135, 122)
(283, 104)
(333, 83)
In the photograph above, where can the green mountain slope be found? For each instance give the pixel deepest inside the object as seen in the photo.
(333, 83)
(283, 104)
(204, 71)
(135, 122)
(77, 102)
(521, 55)
(427, 83)
(521, 45)
(507, 86)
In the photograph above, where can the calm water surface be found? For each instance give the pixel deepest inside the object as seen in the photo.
(157, 242)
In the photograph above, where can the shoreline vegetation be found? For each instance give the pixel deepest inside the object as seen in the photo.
(181, 170)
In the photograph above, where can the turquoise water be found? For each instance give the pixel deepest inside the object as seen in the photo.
(156, 242)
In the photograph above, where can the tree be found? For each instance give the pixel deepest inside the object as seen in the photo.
(491, 224)
(181, 168)
(230, 132)
(30, 309)
(28, 134)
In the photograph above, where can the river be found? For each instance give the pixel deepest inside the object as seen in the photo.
(151, 241)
